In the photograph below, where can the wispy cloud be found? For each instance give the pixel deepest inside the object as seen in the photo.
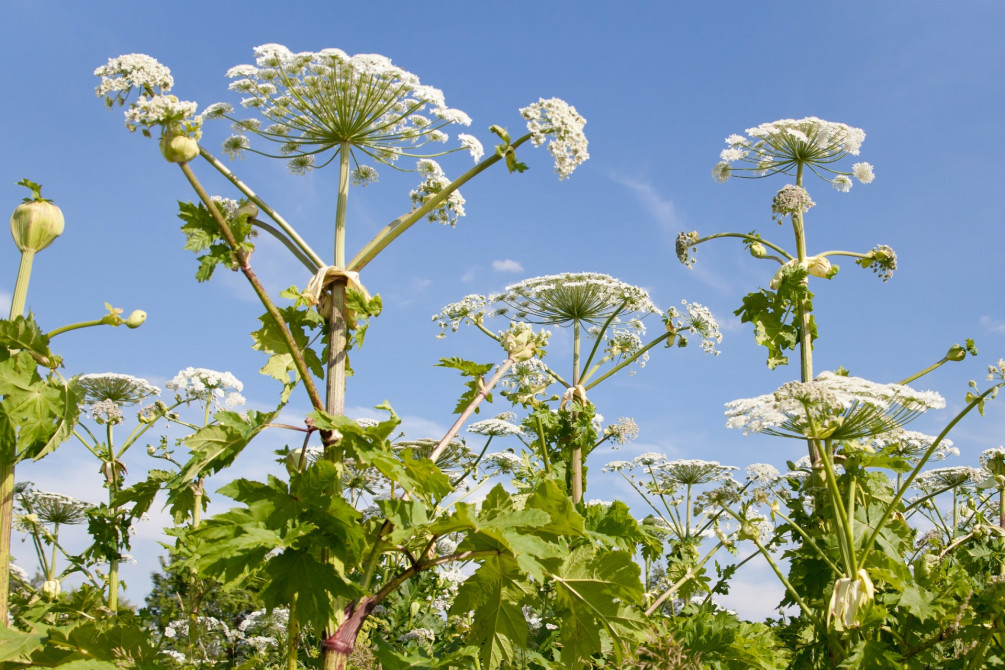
(507, 265)
(662, 209)
(993, 325)
(469, 274)
(5, 299)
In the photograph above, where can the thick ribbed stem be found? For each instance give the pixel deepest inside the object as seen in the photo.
(7, 469)
(576, 459)
(338, 333)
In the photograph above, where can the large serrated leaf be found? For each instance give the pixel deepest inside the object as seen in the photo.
(495, 593)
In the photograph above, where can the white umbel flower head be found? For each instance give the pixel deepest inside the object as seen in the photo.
(831, 406)
(317, 104)
(221, 388)
(785, 145)
(558, 123)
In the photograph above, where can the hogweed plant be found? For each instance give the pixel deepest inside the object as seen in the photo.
(360, 113)
(607, 321)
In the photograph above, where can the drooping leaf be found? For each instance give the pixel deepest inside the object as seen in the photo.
(495, 593)
(471, 370)
(594, 592)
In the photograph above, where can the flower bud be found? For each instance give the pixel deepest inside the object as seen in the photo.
(819, 266)
(136, 319)
(850, 595)
(249, 208)
(956, 353)
(519, 342)
(757, 250)
(151, 450)
(36, 222)
(178, 147)
(51, 587)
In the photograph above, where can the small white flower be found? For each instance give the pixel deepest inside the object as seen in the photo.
(471, 143)
(558, 122)
(863, 172)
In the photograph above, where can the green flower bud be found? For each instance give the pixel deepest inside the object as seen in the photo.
(757, 250)
(36, 222)
(136, 319)
(151, 450)
(249, 208)
(178, 148)
(956, 353)
(51, 587)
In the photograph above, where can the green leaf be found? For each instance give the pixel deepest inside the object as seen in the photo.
(467, 369)
(22, 334)
(214, 447)
(36, 415)
(315, 585)
(593, 592)
(495, 593)
(16, 645)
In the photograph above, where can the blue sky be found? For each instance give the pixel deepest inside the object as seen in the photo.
(660, 84)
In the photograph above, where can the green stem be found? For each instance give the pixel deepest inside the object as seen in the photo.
(844, 536)
(867, 547)
(544, 445)
(17, 301)
(692, 571)
(788, 586)
(469, 410)
(576, 457)
(628, 361)
(7, 468)
(51, 573)
(288, 243)
(391, 231)
(263, 296)
(809, 540)
(287, 228)
(598, 339)
(924, 372)
(742, 236)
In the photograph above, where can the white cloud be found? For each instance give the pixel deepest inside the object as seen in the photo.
(469, 274)
(5, 299)
(986, 322)
(507, 265)
(662, 209)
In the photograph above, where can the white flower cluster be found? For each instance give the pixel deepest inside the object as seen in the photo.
(791, 199)
(762, 473)
(782, 146)
(116, 388)
(691, 472)
(471, 308)
(154, 107)
(993, 460)
(940, 479)
(527, 378)
(497, 425)
(504, 461)
(558, 122)
(316, 102)
(227, 206)
(221, 388)
(912, 444)
(696, 319)
(471, 143)
(622, 432)
(831, 406)
(589, 297)
(448, 211)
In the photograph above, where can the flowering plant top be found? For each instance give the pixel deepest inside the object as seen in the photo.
(831, 406)
(317, 103)
(788, 145)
